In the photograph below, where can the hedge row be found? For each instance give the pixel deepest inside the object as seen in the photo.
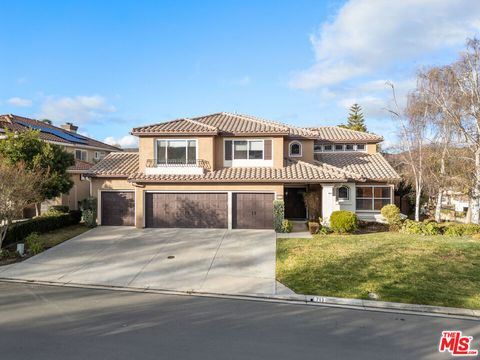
(20, 230)
(433, 228)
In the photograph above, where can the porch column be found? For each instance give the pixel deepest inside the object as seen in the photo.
(328, 202)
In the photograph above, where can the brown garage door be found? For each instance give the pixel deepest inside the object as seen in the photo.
(187, 210)
(252, 211)
(118, 208)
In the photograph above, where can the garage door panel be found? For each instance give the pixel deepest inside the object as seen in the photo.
(252, 211)
(118, 208)
(189, 210)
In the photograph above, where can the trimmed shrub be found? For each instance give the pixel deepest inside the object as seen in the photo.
(34, 244)
(89, 218)
(20, 230)
(60, 208)
(454, 230)
(431, 228)
(313, 227)
(412, 227)
(278, 215)
(287, 226)
(343, 222)
(391, 213)
(462, 229)
(471, 229)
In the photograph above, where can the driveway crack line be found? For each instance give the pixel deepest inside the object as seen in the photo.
(213, 260)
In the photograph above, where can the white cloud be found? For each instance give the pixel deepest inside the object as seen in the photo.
(124, 142)
(79, 109)
(20, 102)
(371, 35)
(243, 81)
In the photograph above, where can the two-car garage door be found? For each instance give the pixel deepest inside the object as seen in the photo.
(209, 210)
(188, 210)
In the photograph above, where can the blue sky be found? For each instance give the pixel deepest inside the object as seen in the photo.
(111, 65)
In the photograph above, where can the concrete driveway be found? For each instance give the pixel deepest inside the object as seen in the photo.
(208, 260)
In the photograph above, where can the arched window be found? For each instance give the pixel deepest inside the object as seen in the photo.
(343, 193)
(295, 149)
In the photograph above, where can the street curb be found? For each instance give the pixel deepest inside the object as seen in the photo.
(311, 300)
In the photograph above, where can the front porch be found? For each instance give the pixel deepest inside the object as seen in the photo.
(366, 200)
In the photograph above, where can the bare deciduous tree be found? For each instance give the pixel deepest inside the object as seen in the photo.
(413, 130)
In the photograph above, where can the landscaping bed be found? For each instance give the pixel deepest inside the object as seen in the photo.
(431, 270)
(48, 240)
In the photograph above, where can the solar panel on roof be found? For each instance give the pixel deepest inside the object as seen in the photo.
(63, 135)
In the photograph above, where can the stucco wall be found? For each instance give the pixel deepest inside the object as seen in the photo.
(307, 149)
(371, 148)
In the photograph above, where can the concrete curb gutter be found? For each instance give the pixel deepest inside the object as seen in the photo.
(311, 300)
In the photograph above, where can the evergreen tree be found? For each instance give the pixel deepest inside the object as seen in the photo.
(355, 119)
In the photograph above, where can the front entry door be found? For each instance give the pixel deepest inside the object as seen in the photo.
(294, 204)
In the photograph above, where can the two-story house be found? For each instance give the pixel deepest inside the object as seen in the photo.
(86, 151)
(225, 170)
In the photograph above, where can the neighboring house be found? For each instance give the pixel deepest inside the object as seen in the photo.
(224, 170)
(87, 152)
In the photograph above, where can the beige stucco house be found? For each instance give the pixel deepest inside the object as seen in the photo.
(87, 152)
(225, 170)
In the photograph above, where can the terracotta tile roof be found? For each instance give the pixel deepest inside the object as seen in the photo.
(295, 171)
(80, 165)
(20, 123)
(178, 126)
(224, 124)
(371, 166)
(116, 164)
(338, 134)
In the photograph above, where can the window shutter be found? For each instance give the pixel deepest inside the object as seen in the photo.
(228, 149)
(268, 150)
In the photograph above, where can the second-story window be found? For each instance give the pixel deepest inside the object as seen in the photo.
(176, 152)
(248, 149)
(81, 154)
(295, 149)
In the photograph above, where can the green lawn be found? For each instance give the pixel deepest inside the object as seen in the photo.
(55, 237)
(433, 270)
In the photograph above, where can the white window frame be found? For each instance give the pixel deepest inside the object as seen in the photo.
(248, 149)
(339, 199)
(290, 149)
(333, 149)
(82, 152)
(166, 152)
(373, 197)
(361, 150)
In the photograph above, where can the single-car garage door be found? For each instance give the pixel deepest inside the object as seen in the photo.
(186, 210)
(118, 208)
(252, 211)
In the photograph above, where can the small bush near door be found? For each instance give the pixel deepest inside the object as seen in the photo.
(313, 227)
(278, 215)
(287, 226)
(391, 213)
(343, 222)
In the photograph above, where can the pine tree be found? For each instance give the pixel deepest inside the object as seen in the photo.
(355, 119)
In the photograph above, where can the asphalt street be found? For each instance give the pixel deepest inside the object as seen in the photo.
(49, 322)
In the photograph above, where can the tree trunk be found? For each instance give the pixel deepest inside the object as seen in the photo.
(438, 206)
(475, 197)
(3, 233)
(418, 194)
(38, 209)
